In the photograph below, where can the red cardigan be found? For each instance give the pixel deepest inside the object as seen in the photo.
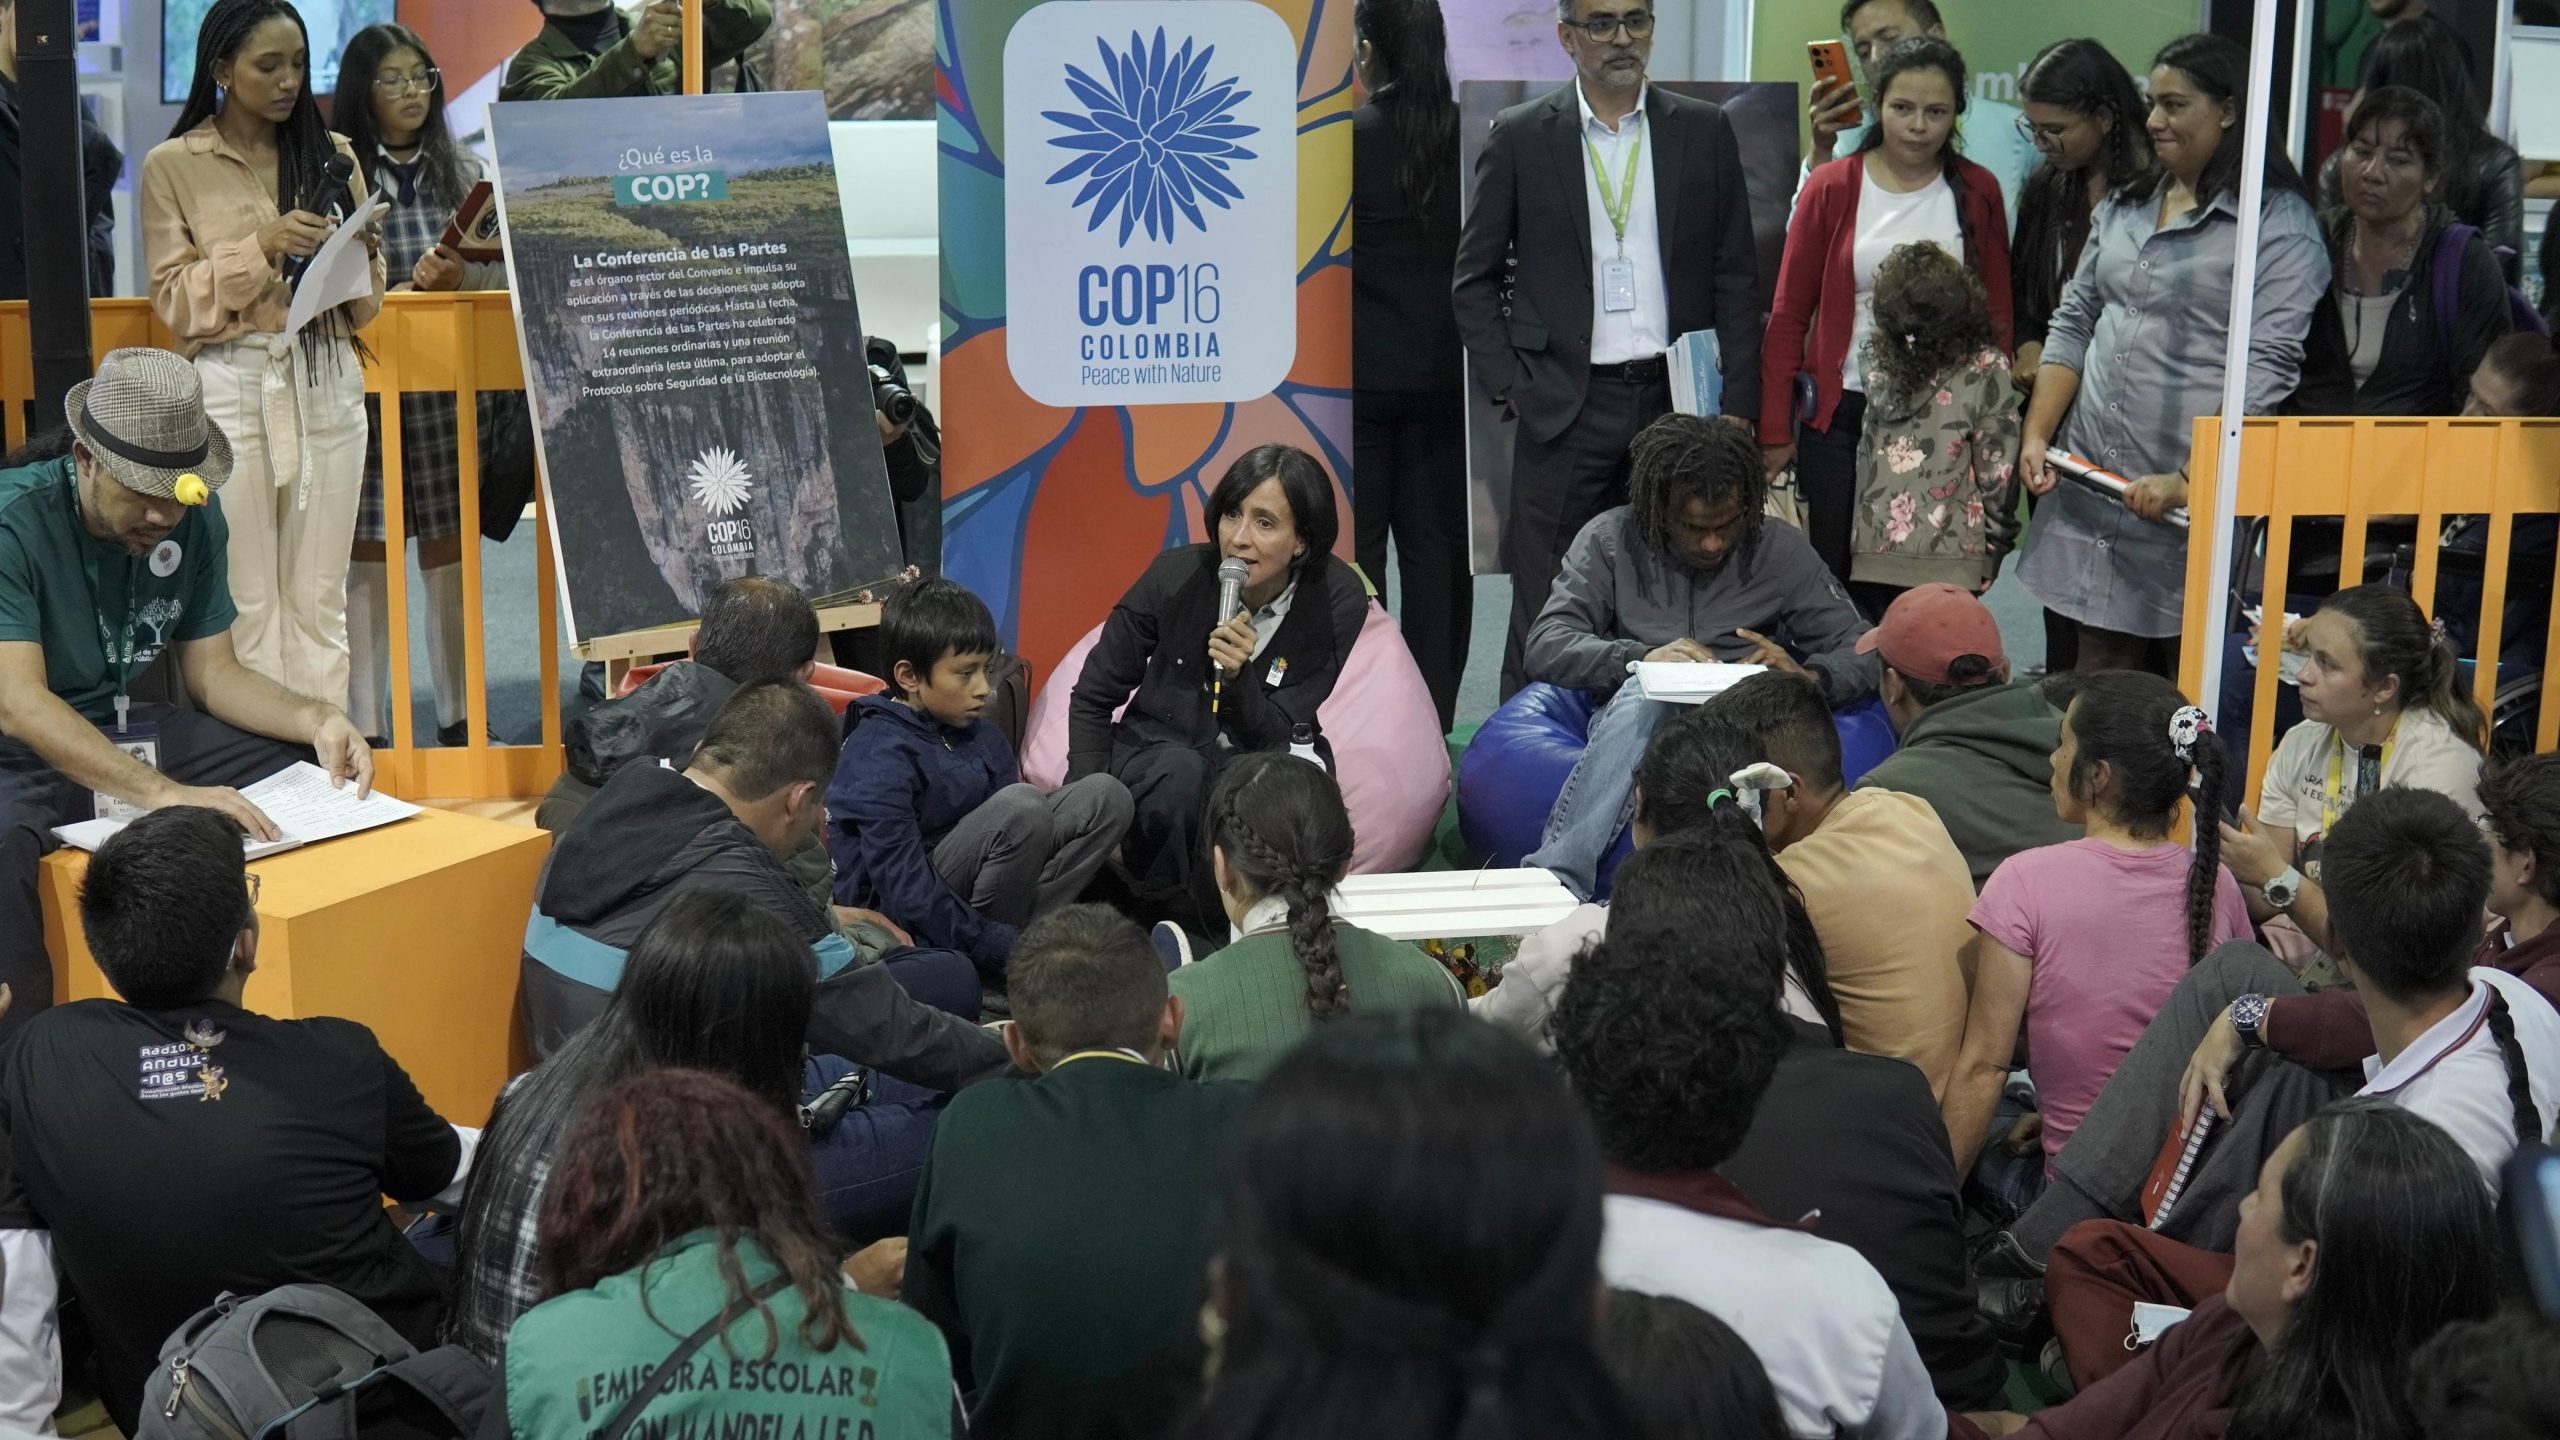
(1816, 304)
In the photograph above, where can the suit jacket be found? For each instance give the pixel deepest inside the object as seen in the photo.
(1523, 293)
(1858, 1138)
(1404, 338)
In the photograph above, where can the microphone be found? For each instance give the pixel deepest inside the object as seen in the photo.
(1231, 573)
(334, 176)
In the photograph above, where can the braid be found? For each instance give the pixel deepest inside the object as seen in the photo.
(2204, 872)
(2502, 1029)
(1304, 885)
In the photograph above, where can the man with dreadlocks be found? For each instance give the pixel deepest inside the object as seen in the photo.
(1688, 570)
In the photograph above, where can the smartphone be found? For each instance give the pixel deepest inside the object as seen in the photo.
(2533, 1207)
(1831, 62)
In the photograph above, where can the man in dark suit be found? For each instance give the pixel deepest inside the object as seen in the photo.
(1063, 1228)
(1609, 220)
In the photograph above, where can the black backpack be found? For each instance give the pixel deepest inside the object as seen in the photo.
(308, 1362)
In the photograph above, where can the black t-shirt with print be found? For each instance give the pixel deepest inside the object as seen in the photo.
(176, 1154)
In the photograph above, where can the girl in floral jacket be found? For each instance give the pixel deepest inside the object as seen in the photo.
(1937, 473)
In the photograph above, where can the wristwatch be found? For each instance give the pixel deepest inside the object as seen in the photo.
(2283, 890)
(2249, 1019)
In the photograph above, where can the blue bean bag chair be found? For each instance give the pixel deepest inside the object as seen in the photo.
(1512, 771)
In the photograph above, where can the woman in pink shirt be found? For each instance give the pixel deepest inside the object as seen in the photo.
(2080, 943)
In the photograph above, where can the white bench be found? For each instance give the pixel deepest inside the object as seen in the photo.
(1436, 904)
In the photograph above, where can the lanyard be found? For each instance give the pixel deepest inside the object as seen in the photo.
(2333, 798)
(1617, 203)
(89, 563)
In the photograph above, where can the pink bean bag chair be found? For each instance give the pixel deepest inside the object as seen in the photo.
(1387, 747)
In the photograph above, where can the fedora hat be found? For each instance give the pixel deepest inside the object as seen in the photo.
(143, 419)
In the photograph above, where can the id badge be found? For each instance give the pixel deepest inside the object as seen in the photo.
(1617, 284)
(141, 740)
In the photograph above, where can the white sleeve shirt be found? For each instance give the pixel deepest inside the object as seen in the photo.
(1644, 332)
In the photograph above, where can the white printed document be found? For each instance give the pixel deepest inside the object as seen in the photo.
(340, 270)
(1686, 682)
(299, 798)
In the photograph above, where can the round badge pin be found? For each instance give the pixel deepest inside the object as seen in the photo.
(164, 559)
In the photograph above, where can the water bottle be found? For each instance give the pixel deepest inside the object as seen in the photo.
(1302, 743)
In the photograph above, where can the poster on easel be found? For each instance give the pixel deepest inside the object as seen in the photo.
(692, 352)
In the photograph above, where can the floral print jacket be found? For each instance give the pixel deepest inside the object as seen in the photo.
(1937, 483)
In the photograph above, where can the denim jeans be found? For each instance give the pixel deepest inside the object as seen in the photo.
(869, 1163)
(1598, 798)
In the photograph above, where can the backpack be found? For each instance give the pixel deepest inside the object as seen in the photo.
(2445, 288)
(247, 1364)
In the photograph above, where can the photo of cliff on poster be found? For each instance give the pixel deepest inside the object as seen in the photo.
(692, 351)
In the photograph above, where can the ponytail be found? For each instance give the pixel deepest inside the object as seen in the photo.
(2204, 872)
(1281, 824)
(1732, 820)
(2502, 1029)
(2446, 694)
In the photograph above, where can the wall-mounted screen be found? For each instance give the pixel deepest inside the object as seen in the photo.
(331, 23)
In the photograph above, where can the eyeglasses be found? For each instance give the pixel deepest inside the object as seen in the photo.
(1637, 24)
(253, 889)
(2044, 137)
(425, 82)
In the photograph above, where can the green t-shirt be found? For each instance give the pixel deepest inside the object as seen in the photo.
(101, 614)
(1244, 1007)
(572, 1360)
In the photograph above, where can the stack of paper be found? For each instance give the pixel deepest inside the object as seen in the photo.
(1682, 682)
(299, 798)
(1697, 376)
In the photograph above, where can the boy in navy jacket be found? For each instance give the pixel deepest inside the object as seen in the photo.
(928, 820)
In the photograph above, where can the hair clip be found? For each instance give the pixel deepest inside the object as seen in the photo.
(2437, 633)
(2187, 725)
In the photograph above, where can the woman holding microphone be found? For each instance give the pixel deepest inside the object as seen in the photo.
(233, 204)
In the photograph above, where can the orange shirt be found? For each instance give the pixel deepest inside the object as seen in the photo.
(1888, 893)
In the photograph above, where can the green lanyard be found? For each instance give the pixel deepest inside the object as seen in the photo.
(1617, 203)
(94, 569)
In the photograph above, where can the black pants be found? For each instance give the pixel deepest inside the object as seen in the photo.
(1827, 475)
(1557, 486)
(1409, 470)
(195, 749)
(1166, 849)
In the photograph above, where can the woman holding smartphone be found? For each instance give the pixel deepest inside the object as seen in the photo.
(234, 204)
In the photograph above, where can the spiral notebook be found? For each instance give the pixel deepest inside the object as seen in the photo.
(2175, 1166)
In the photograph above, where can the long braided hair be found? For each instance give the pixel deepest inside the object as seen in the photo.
(1680, 458)
(1281, 825)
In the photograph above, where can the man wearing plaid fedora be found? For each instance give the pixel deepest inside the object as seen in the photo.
(108, 556)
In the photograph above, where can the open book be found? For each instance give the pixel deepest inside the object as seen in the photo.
(299, 798)
(1685, 682)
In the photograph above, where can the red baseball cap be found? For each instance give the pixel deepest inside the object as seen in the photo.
(1931, 631)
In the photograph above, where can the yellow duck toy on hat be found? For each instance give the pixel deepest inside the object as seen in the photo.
(190, 489)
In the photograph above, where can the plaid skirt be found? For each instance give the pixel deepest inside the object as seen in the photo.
(430, 466)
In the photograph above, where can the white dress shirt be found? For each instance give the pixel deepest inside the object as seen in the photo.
(2455, 1076)
(1644, 332)
(1822, 1321)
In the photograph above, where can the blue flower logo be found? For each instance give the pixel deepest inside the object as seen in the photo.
(1157, 135)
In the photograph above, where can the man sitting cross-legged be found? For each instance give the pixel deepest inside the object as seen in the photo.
(1671, 1038)
(1064, 1226)
(173, 1145)
(1687, 570)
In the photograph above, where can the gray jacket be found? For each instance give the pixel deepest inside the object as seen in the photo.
(1613, 603)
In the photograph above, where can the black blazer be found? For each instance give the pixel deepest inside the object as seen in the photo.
(1157, 644)
(1524, 300)
(1858, 1138)
(1404, 333)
